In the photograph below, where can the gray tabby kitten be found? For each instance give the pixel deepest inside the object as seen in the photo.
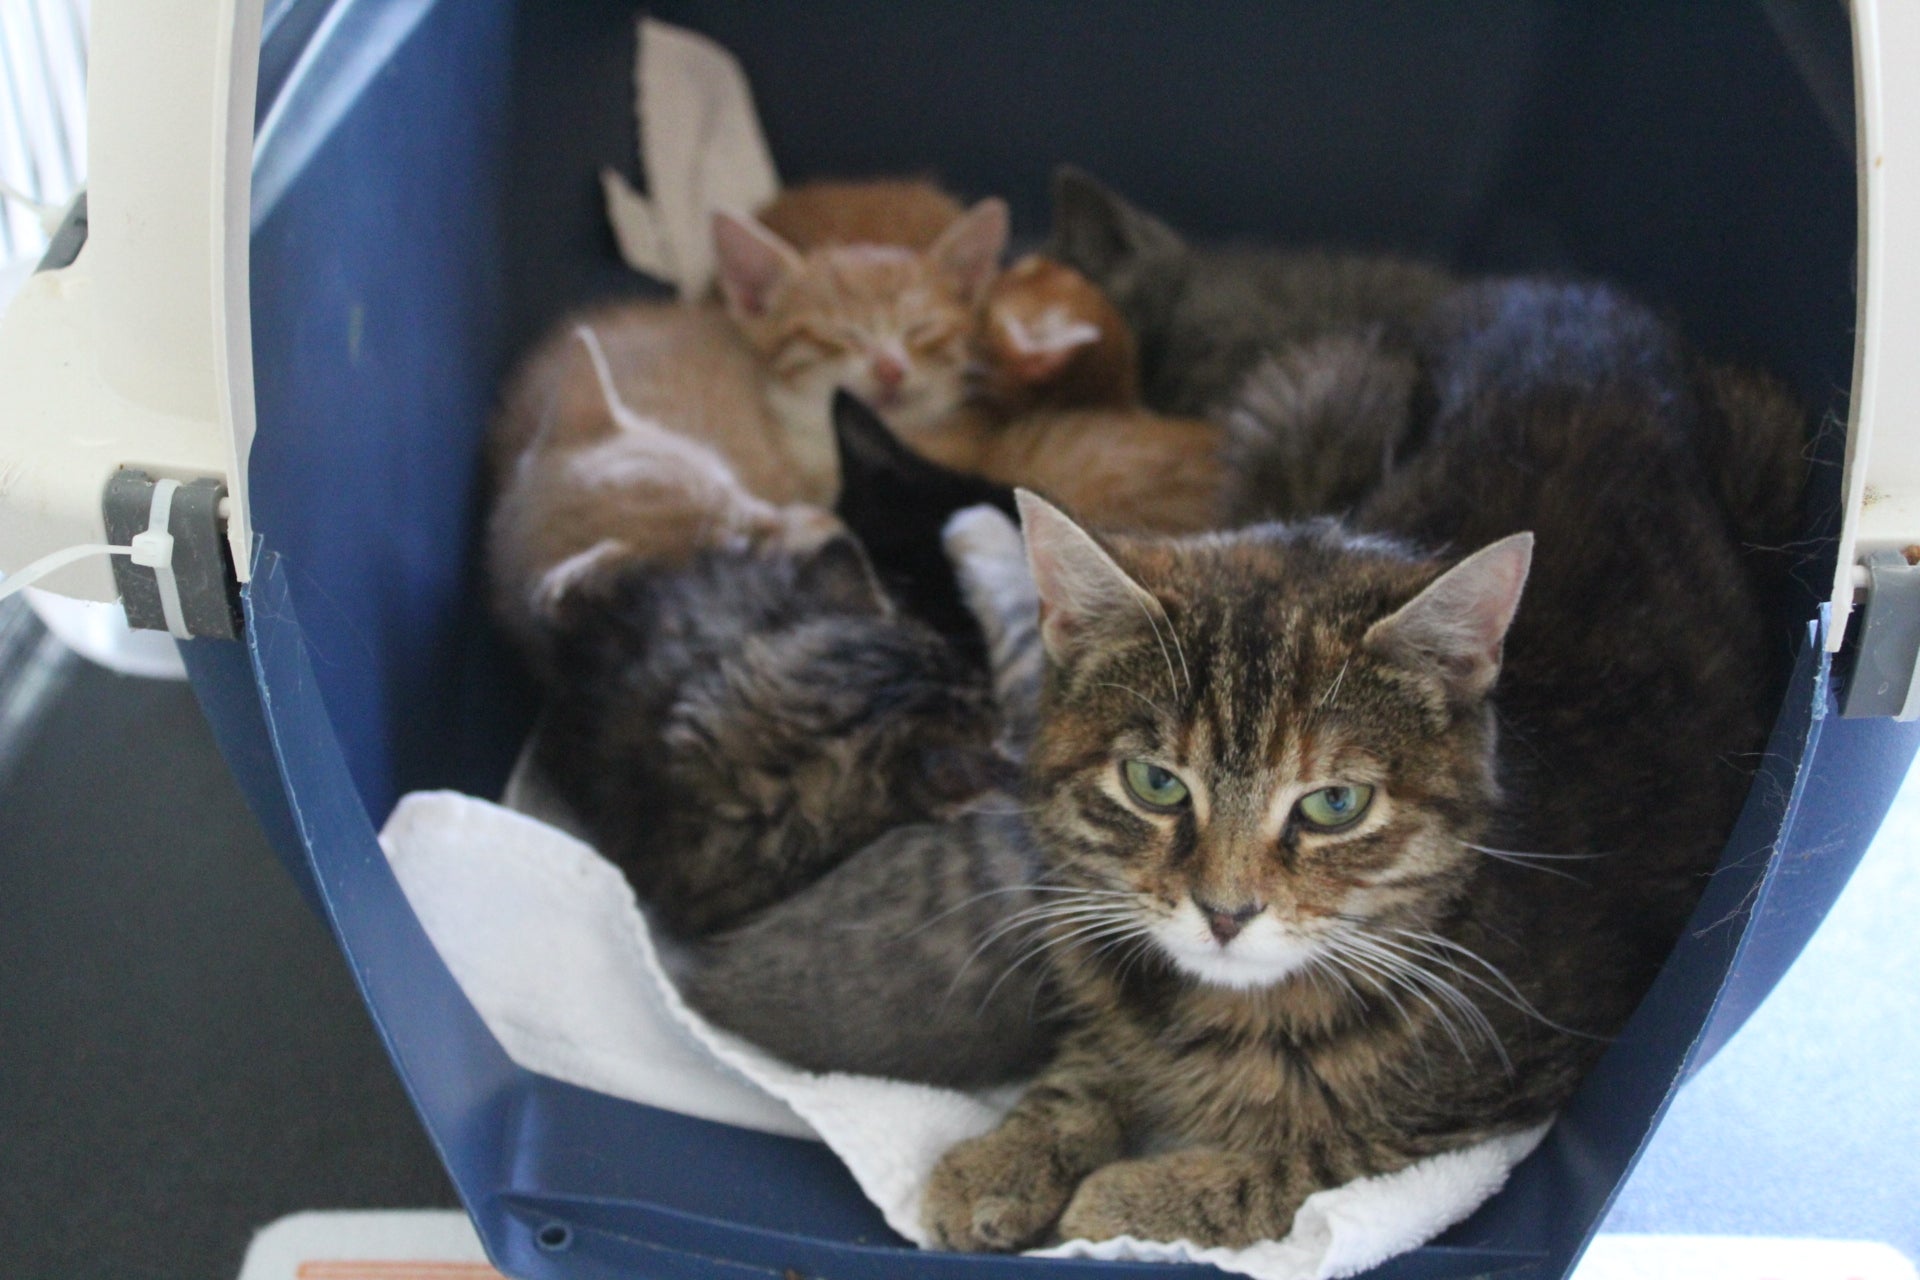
(728, 732)
(1325, 337)
(1381, 829)
(915, 958)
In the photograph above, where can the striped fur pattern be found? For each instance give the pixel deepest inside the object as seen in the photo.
(917, 957)
(1263, 1005)
(730, 731)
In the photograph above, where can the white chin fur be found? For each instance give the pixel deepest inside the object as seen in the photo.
(1263, 953)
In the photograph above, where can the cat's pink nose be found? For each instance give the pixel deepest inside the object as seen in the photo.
(1226, 925)
(889, 371)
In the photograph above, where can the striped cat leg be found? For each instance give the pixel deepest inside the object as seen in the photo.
(1003, 1190)
(1212, 1197)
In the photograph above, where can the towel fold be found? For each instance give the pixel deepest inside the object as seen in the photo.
(547, 940)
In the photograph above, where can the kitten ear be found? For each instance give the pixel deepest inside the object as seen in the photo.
(752, 263)
(1037, 353)
(1083, 593)
(1458, 625)
(1099, 234)
(838, 576)
(865, 442)
(970, 249)
(879, 474)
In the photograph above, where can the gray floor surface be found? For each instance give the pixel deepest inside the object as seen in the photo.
(183, 1058)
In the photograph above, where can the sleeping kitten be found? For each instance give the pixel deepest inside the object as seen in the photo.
(888, 323)
(1205, 320)
(728, 732)
(915, 958)
(1384, 846)
(646, 431)
(910, 212)
(1056, 410)
(1050, 339)
(635, 432)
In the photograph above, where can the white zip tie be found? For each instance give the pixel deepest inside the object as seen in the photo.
(153, 549)
(21, 579)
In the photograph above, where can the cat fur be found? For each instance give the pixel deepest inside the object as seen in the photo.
(1535, 640)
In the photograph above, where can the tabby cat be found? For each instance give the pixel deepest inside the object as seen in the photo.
(727, 732)
(915, 958)
(1382, 828)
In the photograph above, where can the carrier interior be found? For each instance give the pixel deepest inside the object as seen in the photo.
(427, 202)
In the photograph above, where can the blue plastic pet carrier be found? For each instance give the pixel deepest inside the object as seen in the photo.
(423, 201)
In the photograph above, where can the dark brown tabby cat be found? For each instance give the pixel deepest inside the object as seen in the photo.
(914, 959)
(1384, 848)
(727, 732)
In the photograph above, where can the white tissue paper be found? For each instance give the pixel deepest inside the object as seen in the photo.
(701, 149)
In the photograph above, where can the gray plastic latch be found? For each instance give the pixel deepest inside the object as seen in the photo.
(69, 239)
(202, 568)
(1884, 671)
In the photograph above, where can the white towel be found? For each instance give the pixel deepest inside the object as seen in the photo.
(546, 939)
(701, 150)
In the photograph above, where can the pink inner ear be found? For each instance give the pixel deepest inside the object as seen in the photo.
(1459, 623)
(1053, 333)
(1081, 588)
(752, 261)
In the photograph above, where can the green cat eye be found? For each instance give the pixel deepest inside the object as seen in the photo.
(1153, 786)
(1331, 808)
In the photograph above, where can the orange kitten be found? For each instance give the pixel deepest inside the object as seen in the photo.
(909, 212)
(1057, 410)
(1049, 338)
(636, 431)
(888, 323)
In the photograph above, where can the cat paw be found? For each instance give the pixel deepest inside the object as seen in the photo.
(1203, 1197)
(991, 1195)
(982, 532)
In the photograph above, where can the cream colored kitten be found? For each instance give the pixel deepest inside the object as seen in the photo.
(639, 432)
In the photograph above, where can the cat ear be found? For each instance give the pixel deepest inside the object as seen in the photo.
(879, 472)
(1083, 593)
(837, 576)
(1037, 353)
(971, 248)
(865, 441)
(1099, 234)
(1458, 625)
(752, 263)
